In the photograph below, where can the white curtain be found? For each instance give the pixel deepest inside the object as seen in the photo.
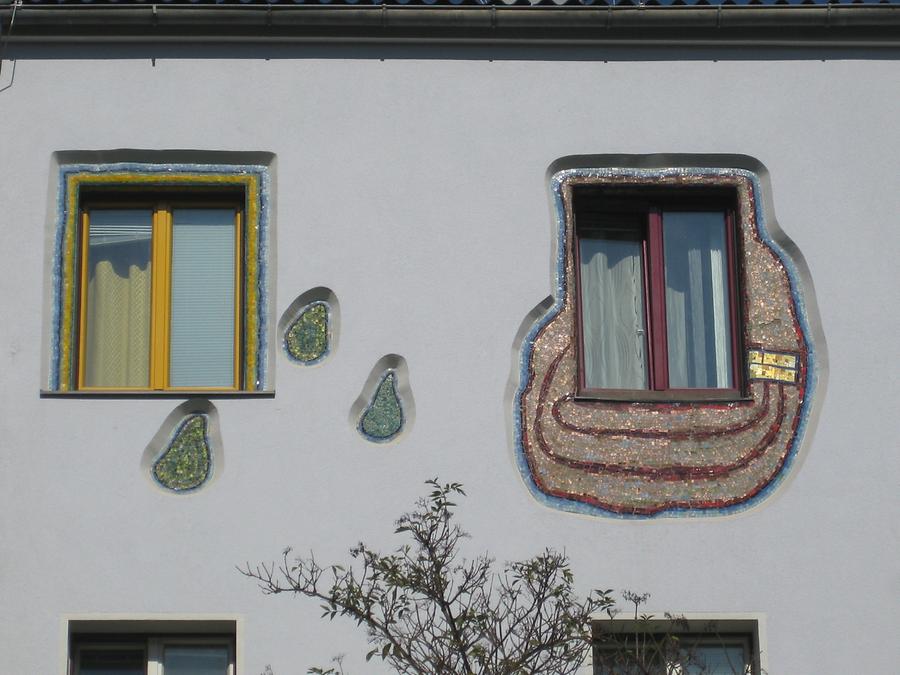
(117, 315)
(697, 305)
(612, 313)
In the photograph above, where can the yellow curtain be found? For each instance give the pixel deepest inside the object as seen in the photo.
(117, 340)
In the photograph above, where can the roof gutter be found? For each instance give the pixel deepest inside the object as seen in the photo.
(729, 25)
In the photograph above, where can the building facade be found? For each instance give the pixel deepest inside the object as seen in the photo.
(625, 272)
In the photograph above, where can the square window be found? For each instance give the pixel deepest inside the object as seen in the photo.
(657, 293)
(675, 646)
(160, 281)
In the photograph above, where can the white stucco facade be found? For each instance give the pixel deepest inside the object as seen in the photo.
(414, 186)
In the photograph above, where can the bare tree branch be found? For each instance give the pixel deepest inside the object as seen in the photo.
(427, 611)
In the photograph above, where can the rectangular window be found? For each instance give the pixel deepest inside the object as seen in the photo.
(657, 295)
(160, 295)
(152, 655)
(676, 647)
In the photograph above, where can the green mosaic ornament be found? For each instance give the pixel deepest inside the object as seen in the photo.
(383, 419)
(185, 464)
(306, 340)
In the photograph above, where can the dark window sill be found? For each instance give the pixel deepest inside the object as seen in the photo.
(668, 396)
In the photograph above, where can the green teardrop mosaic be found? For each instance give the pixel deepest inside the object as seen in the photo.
(185, 463)
(383, 419)
(306, 340)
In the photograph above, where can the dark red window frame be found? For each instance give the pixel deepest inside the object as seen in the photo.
(595, 203)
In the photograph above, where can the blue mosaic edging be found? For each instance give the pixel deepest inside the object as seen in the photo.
(572, 506)
(263, 199)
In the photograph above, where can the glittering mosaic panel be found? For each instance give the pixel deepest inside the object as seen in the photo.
(73, 177)
(186, 461)
(644, 458)
(306, 339)
(382, 419)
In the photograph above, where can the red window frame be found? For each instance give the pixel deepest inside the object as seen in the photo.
(649, 204)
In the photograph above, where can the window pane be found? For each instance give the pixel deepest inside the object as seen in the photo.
(697, 304)
(117, 315)
(203, 275)
(612, 312)
(111, 662)
(188, 660)
(717, 660)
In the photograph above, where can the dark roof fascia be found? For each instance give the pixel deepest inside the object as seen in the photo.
(870, 26)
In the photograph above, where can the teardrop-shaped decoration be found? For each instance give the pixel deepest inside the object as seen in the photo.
(306, 339)
(185, 463)
(382, 420)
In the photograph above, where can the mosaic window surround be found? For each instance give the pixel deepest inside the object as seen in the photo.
(643, 458)
(252, 180)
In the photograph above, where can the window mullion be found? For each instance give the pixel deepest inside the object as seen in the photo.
(238, 297)
(166, 304)
(731, 236)
(154, 657)
(160, 275)
(656, 291)
(82, 299)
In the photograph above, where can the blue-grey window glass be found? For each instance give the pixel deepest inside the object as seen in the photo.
(203, 298)
(195, 660)
(697, 303)
(717, 660)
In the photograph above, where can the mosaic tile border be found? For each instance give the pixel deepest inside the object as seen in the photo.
(257, 184)
(806, 359)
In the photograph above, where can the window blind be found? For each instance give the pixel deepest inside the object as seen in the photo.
(201, 348)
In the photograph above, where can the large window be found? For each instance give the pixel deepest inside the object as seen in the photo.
(657, 292)
(676, 647)
(160, 300)
(152, 655)
(160, 280)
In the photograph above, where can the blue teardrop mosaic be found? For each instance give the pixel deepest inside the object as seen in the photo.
(382, 420)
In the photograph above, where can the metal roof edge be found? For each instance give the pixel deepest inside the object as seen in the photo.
(715, 25)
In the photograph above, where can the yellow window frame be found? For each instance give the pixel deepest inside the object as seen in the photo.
(160, 294)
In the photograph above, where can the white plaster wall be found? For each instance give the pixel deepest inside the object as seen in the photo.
(415, 189)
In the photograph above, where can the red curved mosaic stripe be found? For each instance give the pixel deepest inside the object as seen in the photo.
(700, 433)
(669, 473)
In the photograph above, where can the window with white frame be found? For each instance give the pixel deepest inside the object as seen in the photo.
(121, 650)
(676, 646)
